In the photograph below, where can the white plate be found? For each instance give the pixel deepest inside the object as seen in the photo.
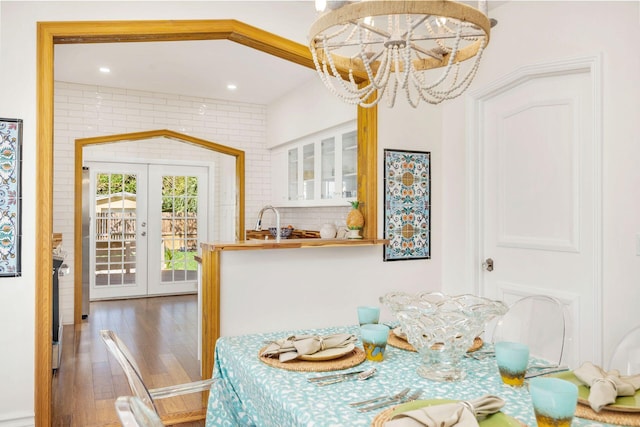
(328, 354)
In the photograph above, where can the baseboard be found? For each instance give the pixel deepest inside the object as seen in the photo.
(17, 420)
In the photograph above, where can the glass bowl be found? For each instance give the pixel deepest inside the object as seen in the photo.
(442, 327)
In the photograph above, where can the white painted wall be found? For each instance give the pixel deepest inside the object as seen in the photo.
(537, 32)
(307, 288)
(307, 109)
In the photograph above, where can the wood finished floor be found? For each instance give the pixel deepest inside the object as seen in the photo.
(161, 333)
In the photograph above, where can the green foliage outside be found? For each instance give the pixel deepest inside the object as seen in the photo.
(115, 183)
(179, 260)
(179, 193)
(179, 196)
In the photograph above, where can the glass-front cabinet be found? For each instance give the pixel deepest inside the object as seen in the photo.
(350, 165)
(328, 168)
(318, 170)
(292, 176)
(308, 172)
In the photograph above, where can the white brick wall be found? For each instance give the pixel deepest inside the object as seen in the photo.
(82, 111)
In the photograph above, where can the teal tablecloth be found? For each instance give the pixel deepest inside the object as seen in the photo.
(250, 393)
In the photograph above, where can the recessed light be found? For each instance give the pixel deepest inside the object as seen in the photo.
(105, 70)
(231, 86)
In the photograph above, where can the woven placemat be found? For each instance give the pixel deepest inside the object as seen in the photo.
(631, 419)
(396, 341)
(384, 416)
(349, 360)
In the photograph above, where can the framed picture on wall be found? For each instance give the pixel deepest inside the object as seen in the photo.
(10, 196)
(407, 205)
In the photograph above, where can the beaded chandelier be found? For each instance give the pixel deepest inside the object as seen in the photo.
(366, 50)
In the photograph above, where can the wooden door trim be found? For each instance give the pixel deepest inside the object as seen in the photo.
(51, 33)
(80, 143)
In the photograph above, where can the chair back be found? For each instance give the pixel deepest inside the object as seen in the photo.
(538, 321)
(134, 413)
(123, 356)
(626, 355)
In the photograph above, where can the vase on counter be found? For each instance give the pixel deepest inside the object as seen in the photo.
(328, 231)
(355, 221)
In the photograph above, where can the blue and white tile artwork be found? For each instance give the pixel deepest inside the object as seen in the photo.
(407, 204)
(10, 142)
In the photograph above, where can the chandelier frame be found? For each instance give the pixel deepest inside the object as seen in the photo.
(401, 54)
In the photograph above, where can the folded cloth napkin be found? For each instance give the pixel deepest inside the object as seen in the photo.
(459, 414)
(605, 386)
(297, 345)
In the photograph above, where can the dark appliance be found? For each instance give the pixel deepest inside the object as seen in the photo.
(57, 316)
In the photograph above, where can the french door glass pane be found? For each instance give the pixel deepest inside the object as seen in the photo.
(179, 228)
(115, 227)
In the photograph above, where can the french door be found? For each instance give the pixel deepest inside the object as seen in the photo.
(147, 222)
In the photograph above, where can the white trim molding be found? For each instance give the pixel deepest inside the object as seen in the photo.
(18, 420)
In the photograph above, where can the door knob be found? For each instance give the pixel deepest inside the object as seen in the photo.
(488, 264)
(144, 233)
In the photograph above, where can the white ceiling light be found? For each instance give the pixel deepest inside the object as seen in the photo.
(105, 70)
(231, 86)
(431, 50)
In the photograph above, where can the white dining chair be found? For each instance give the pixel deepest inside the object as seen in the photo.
(131, 370)
(132, 412)
(538, 321)
(626, 355)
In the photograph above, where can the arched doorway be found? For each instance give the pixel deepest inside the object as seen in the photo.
(52, 33)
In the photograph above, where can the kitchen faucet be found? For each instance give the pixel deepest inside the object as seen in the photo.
(259, 222)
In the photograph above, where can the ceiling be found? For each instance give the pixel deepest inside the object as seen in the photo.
(196, 68)
(199, 68)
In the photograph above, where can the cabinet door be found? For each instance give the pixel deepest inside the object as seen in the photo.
(328, 188)
(308, 171)
(349, 162)
(321, 170)
(293, 184)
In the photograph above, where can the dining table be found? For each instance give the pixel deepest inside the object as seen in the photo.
(248, 391)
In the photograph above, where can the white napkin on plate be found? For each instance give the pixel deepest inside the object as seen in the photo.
(296, 345)
(458, 414)
(605, 386)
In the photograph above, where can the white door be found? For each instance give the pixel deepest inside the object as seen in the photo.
(147, 224)
(539, 201)
(178, 202)
(118, 230)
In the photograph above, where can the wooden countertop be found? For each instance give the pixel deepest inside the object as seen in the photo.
(252, 245)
